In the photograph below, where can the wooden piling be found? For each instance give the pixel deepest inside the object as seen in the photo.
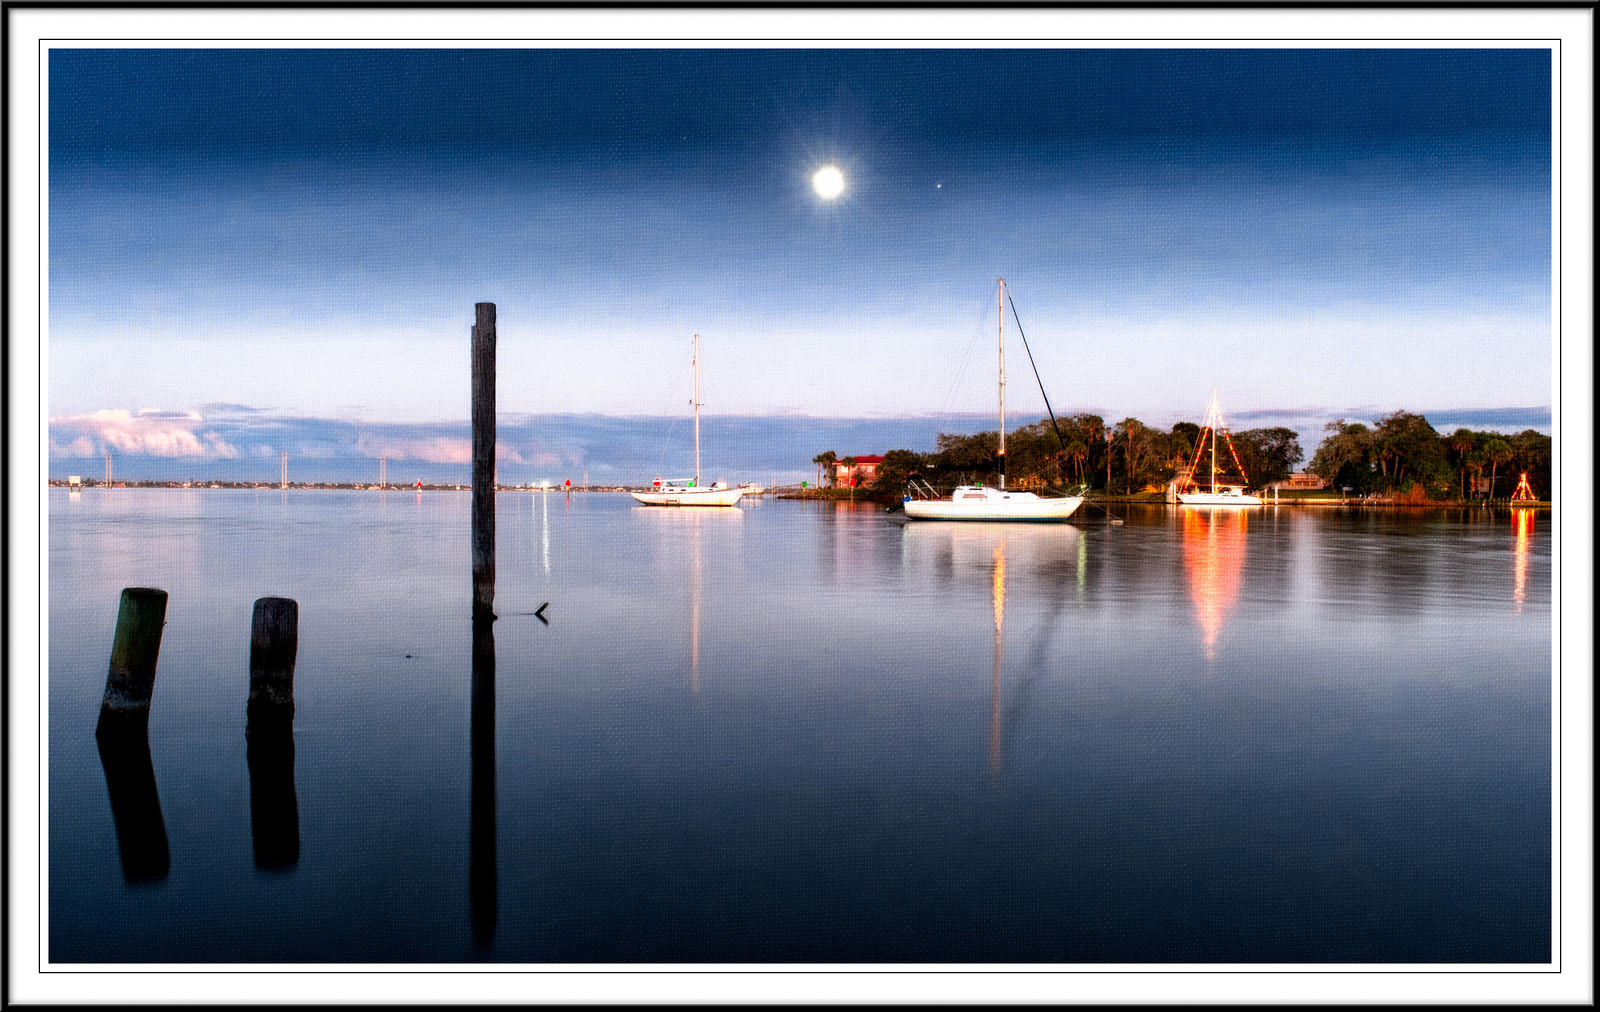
(483, 446)
(134, 647)
(274, 640)
(269, 733)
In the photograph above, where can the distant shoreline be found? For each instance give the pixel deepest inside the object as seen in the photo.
(812, 495)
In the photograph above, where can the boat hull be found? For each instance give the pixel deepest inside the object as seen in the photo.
(1217, 499)
(1029, 510)
(691, 497)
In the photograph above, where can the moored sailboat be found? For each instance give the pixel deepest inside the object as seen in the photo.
(977, 502)
(1191, 492)
(689, 491)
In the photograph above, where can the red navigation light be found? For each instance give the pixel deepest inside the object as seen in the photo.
(658, 483)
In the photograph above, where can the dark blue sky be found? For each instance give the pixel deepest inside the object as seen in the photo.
(305, 231)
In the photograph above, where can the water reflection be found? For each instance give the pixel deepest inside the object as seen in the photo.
(688, 521)
(135, 804)
(544, 539)
(482, 870)
(1213, 559)
(1522, 523)
(1036, 564)
(999, 592)
(274, 809)
(696, 576)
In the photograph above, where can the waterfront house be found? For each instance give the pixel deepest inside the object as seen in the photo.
(1302, 480)
(860, 473)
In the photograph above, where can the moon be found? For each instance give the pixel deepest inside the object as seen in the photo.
(828, 182)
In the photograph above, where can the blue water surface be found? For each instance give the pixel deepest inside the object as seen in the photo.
(800, 732)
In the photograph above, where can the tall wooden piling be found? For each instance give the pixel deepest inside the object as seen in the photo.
(483, 445)
(134, 648)
(269, 733)
(274, 640)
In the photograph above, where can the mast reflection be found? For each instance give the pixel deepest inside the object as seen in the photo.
(999, 591)
(695, 578)
(1522, 524)
(672, 521)
(1213, 559)
(482, 873)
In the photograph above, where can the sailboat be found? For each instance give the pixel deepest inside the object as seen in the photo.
(689, 491)
(977, 502)
(1192, 492)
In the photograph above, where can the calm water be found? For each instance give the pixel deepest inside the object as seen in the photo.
(800, 732)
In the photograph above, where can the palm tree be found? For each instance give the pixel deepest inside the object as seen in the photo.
(1078, 453)
(824, 460)
(1498, 451)
(1461, 442)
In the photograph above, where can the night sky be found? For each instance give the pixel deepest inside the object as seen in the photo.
(239, 235)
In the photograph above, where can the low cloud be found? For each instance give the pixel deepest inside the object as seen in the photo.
(432, 449)
(149, 432)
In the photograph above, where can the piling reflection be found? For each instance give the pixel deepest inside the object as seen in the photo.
(1522, 524)
(482, 872)
(1213, 559)
(135, 804)
(274, 809)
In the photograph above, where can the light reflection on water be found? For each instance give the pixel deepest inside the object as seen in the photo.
(765, 733)
(1522, 522)
(1214, 548)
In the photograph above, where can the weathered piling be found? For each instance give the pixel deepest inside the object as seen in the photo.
(483, 445)
(274, 640)
(482, 873)
(135, 803)
(134, 647)
(269, 733)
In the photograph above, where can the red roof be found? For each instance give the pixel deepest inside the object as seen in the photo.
(867, 460)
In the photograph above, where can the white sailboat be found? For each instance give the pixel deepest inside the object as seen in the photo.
(689, 491)
(1192, 492)
(977, 502)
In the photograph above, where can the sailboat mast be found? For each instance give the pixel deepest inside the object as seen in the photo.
(697, 416)
(1000, 301)
(1212, 421)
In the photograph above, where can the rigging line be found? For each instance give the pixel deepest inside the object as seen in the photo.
(672, 424)
(961, 372)
(1036, 378)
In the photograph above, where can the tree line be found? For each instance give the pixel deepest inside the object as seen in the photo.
(1401, 453)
